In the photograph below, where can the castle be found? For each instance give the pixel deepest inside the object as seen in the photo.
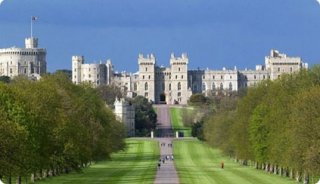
(175, 84)
(29, 61)
(125, 113)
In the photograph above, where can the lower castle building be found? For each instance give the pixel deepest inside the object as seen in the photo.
(175, 84)
(125, 113)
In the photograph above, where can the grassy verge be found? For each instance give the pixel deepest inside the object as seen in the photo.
(137, 165)
(198, 163)
(177, 122)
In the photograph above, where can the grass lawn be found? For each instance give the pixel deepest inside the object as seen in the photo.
(135, 165)
(198, 163)
(177, 123)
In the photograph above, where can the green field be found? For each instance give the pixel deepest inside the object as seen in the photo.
(177, 123)
(198, 163)
(135, 165)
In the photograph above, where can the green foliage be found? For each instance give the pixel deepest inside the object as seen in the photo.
(198, 99)
(145, 116)
(276, 122)
(53, 124)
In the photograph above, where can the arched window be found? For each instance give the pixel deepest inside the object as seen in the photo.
(135, 86)
(221, 86)
(230, 86)
(213, 86)
(169, 87)
(179, 86)
(146, 86)
(203, 86)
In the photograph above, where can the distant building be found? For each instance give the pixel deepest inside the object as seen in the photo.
(175, 84)
(125, 113)
(29, 61)
(96, 74)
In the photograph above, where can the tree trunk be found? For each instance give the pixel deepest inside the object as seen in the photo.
(305, 178)
(19, 180)
(9, 179)
(32, 178)
(291, 174)
(298, 176)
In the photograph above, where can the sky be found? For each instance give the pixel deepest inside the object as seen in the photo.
(214, 33)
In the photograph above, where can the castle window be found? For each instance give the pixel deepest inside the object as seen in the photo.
(10, 70)
(221, 86)
(169, 87)
(179, 86)
(230, 76)
(89, 75)
(230, 86)
(203, 77)
(203, 86)
(255, 77)
(163, 86)
(221, 76)
(135, 86)
(149, 77)
(75, 76)
(213, 77)
(146, 94)
(278, 69)
(179, 69)
(146, 86)
(146, 69)
(181, 76)
(143, 77)
(264, 76)
(213, 86)
(25, 70)
(290, 69)
(176, 76)
(179, 94)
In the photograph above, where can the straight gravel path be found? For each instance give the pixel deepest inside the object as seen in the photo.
(167, 173)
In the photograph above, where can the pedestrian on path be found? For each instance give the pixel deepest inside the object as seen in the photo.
(222, 165)
(159, 165)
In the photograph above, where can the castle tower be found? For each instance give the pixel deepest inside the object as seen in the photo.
(31, 43)
(77, 61)
(146, 86)
(179, 78)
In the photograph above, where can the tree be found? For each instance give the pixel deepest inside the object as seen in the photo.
(145, 116)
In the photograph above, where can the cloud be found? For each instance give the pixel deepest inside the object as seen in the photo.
(1, 1)
(318, 1)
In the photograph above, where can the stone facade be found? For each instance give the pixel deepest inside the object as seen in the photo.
(175, 84)
(29, 61)
(125, 113)
(95, 74)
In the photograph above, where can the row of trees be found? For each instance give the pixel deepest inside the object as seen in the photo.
(52, 126)
(276, 125)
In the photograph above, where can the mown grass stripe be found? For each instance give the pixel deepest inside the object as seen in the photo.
(130, 166)
(198, 163)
